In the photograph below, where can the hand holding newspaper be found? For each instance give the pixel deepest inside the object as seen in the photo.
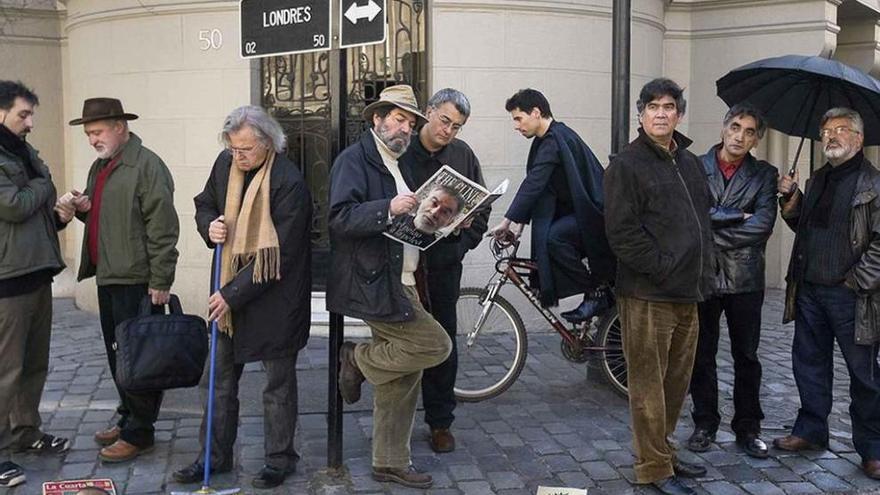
(446, 201)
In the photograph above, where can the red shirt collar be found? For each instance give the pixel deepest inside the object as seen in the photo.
(727, 168)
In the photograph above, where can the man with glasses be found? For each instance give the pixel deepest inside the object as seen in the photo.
(836, 294)
(562, 195)
(447, 112)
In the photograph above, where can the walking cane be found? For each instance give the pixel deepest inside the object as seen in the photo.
(206, 484)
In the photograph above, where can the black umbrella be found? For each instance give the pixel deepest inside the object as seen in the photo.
(794, 91)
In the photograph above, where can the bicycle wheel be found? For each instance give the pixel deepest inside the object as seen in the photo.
(613, 363)
(491, 364)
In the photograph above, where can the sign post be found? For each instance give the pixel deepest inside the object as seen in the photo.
(362, 23)
(279, 27)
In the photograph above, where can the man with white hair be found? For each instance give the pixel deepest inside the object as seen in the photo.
(836, 294)
(256, 204)
(129, 247)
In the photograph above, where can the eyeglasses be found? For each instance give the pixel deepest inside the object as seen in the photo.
(449, 124)
(837, 131)
(242, 151)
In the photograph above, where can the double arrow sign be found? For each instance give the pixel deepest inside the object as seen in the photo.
(278, 27)
(368, 11)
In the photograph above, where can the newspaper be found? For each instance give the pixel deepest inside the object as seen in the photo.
(80, 487)
(446, 200)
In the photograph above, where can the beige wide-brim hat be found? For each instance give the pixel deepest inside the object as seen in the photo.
(400, 96)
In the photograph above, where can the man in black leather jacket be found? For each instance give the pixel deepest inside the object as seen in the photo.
(744, 194)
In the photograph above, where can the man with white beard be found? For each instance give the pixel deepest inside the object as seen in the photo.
(834, 295)
(129, 247)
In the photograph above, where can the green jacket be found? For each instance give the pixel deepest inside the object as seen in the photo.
(138, 224)
(28, 233)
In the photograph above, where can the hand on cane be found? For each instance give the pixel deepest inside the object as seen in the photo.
(217, 306)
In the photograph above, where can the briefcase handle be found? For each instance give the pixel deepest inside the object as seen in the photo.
(146, 307)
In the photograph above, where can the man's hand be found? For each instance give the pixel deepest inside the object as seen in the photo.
(65, 211)
(159, 297)
(217, 306)
(217, 231)
(747, 216)
(80, 201)
(403, 203)
(506, 231)
(787, 184)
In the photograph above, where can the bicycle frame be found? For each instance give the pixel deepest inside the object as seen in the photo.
(518, 270)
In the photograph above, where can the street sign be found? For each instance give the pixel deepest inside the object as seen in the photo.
(362, 22)
(277, 27)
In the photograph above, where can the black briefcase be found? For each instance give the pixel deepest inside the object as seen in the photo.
(160, 351)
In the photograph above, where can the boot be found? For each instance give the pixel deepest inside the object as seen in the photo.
(594, 303)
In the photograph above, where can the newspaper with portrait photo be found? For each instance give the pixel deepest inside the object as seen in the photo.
(447, 201)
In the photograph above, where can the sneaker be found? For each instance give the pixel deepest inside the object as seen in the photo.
(11, 474)
(47, 444)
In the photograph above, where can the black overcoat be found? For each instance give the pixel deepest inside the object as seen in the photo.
(584, 175)
(271, 319)
(365, 266)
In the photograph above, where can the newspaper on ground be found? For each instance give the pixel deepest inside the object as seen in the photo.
(446, 201)
(550, 490)
(100, 486)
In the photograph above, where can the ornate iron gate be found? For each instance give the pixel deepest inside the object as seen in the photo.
(298, 91)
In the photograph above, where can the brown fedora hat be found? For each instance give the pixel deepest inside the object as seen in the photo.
(400, 96)
(95, 109)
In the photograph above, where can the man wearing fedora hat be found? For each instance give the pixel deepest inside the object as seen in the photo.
(131, 231)
(372, 277)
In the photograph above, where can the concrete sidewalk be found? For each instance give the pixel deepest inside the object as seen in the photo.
(554, 427)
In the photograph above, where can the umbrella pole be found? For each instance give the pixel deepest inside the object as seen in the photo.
(797, 155)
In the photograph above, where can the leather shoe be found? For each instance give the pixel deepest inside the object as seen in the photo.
(594, 303)
(108, 436)
(794, 443)
(872, 468)
(121, 451)
(687, 470)
(408, 476)
(270, 477)
(673, 486)
(753, 446)
(350, 377)
(701, 440)
(195, 472)
(442, 440)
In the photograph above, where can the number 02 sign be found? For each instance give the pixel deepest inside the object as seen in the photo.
(276, 27)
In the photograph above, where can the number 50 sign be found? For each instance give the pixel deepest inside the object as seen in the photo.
(275, 27)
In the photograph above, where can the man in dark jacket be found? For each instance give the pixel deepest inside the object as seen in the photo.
(29, 257)
(836, 294)
(372, 277)
(257, 206)
(744, 199)
(131, 231)
(562, 195)
(657, 217)
(447, 112)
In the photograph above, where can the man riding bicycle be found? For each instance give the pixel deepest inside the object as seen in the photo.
(562, 195)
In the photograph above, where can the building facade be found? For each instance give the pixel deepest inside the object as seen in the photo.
(177, 65)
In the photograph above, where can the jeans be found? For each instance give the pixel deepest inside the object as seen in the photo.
(743, 312)
(280, 409)
(825, 314)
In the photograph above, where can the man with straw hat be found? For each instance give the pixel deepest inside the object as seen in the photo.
(372, 277)
(129, 247)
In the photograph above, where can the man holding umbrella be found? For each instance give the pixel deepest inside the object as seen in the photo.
(834, 295)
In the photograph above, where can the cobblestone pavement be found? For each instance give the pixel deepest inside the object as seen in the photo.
(554, 427)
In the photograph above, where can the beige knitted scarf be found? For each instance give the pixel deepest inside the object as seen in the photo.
(250, 233)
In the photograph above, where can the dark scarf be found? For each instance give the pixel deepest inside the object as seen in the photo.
(18, 147)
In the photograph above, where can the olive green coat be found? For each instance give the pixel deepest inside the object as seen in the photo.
(138, 225)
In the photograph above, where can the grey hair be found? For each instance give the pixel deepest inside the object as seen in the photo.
(454, 96)
(747, 110)
(846, 113)
(266, 128)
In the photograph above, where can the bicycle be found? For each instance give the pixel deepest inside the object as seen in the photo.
(487, 367)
